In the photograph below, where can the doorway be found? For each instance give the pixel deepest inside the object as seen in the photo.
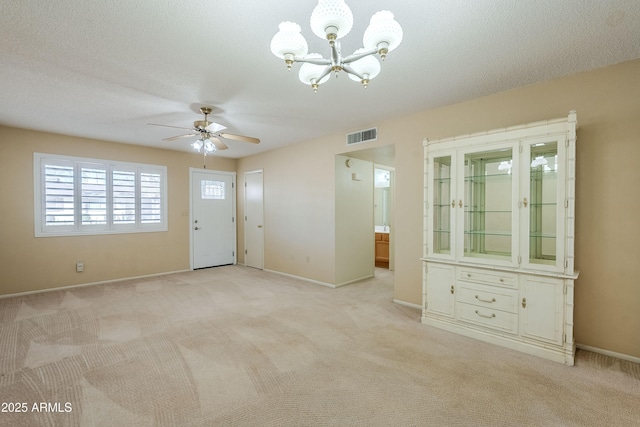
(212, 218)
(361, 240)
(253, 219)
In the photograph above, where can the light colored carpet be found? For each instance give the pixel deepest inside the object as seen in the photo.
(234, 346)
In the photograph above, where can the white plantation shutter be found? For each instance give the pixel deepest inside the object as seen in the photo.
(123, 197)
(93, 193)
(88, 196)
(150, 200)
(58, 195)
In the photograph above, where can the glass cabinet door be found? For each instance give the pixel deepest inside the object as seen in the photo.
(542, 202)
(442, 203)
(488, 205)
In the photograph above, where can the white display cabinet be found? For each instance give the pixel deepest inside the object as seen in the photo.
(499, 236)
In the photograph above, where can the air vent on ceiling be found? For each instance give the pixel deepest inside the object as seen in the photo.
(362, 136)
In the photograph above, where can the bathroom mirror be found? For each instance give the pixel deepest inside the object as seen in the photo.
(381, 198)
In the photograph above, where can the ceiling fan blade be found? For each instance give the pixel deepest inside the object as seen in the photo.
(218, 143)
(240, 138)
(168, 126)
(207, 125)
(173, 138)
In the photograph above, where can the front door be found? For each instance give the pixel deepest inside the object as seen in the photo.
(213, 228)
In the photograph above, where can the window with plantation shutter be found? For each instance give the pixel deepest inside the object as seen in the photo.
(89, 196)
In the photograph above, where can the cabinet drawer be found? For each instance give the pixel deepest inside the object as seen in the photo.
(489, 277)
(490, 318)
(488, 297)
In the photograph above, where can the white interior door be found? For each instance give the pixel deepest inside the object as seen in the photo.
(213, 228)
(253, 220)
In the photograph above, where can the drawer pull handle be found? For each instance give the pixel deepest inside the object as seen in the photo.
(453, 203)
(524, 303)
(485, 300)
(501, 280)
(468, 274)
(485, 315)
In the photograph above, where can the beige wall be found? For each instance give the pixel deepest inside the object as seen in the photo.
(354, 234)
(607, 295)
(299, 219)
(30, 263)
(299, 193)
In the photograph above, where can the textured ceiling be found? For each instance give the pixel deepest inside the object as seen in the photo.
(105, 69)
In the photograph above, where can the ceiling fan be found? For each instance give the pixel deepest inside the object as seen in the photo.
(210, 137)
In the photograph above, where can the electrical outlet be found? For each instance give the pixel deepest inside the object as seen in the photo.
(79, 266)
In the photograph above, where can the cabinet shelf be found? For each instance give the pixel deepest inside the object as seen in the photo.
(486, 233)
(542, 236)
(480, 211)
(484, 178)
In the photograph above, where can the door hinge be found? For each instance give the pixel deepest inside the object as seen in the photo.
(566, 203)
(245, 251)
(519, 260)
(245, 217)
(233, 219)
(564, 289)
(520, 148)
(566, 263)
(245, 185)
(564, 337)
(233, 253)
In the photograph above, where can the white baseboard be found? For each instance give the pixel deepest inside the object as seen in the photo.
(305, 279)
(355, 280)
(408, 304)
(608, 353)
(82, 285)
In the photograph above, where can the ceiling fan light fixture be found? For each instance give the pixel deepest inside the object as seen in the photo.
(209, 146)
(197, 145)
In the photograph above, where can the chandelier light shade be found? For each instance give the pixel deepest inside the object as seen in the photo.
(289, 41)
(383, 29)
(331, 20)
(331, 17)
(309, 74)
(367, 67)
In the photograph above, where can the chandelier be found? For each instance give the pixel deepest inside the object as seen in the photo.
(332, 19)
